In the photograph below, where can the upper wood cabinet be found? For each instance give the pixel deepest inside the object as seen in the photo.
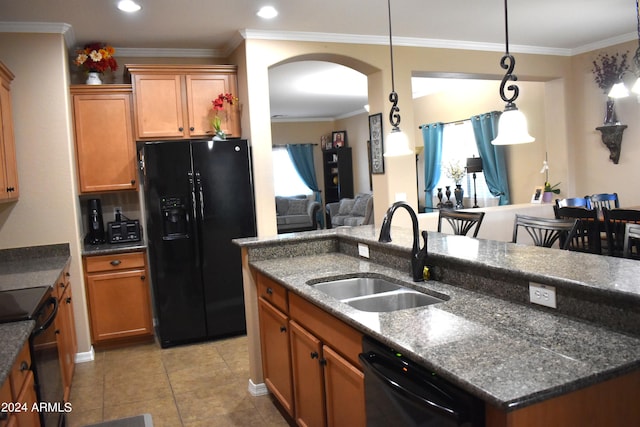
(105, 149)
(175, 102)
(9, 190)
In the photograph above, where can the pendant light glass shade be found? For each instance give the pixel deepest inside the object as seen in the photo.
(618, 90)
(636, 87)
(397, 144)
(512, 129)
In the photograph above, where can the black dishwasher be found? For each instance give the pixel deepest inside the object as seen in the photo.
(398, 392)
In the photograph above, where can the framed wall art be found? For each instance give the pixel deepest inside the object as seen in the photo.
(339, 138)
(377, 147)
(537, 195)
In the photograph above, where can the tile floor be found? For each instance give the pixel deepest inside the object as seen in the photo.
(195, 385)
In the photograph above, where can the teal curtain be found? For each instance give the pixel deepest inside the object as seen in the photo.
(302, 158)
(432, 138)
(494, 164)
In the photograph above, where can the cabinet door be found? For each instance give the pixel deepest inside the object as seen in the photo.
(158, 106)
(67, 341)
(103, 131)
(202, 89)
(344, 385)
(119, 305)
(276, 358)
(308, 384)
(9, 190)
(27, 396)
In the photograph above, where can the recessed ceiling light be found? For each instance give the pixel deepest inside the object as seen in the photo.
(267, 12)
(128, 6)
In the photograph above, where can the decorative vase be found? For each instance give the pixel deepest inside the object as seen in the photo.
(447, 192)
(547, 197)
(459, 194)
(610, 117)
(93, 78)
(219, 136)
(439, 205)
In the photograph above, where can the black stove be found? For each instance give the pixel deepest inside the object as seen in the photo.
(22, 304)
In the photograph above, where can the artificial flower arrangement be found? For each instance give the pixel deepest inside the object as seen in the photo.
(97, 57)
(218, 106)
(607, 71)
(454, 171)
(548, 188)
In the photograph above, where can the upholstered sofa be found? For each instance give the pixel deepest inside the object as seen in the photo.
(296, 213)
(351, 212)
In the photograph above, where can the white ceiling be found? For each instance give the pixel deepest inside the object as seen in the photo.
(213, 27)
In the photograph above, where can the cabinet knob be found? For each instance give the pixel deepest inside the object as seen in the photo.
(115, 262)
(57, 331)
(269, 291)
(192, 128)
(314, 354)
(67, 274)
(133, 182)
(142, 277)
(61, 284)
(283, 329)
(24, 366)
(323, 362)
(68, 300)
(180, 128)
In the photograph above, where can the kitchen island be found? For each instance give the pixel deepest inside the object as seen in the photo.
(485, 336)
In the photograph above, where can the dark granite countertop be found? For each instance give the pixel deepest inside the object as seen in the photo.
(106, 248)
(13, 336)
(508, 353)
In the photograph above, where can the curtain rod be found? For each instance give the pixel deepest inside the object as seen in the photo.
(456, 122)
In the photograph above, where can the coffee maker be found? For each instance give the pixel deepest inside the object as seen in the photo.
(95, 236)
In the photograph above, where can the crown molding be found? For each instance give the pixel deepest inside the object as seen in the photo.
(605, 43)
(41, 27)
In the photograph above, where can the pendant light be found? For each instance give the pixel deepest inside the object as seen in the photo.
(397, 142)
(512, 127)
(619, 90)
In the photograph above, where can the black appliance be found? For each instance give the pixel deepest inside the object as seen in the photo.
(95, 235)
(40, 305)
(123, 231)
(399, 392)
(198, 197)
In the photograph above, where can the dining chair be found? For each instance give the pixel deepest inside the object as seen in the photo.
(604, 200)
(615, 221)
(587, 236)
(461, 222)
(545, 231)
(574, 201)
(631, 247)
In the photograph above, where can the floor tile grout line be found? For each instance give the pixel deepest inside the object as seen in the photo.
(173, 395)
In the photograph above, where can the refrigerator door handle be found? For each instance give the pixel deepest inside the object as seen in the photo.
(200, 193)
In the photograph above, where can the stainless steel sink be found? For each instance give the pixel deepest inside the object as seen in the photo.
(356, 287)
(375, 294)
(392, 301)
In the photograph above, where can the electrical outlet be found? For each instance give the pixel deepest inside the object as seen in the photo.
(542, 294)
(363, 250)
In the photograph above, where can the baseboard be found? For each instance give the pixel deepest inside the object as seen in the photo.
(87, 356)
(257, 389)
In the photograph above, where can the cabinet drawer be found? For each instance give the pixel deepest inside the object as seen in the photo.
(331, 330)
(20, 370)
(273, 292)
(62, 283)
(114, 262)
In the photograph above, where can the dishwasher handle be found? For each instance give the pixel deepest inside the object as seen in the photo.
(372, 361)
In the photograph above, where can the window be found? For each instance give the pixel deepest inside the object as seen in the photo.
(287, 181)
(458, 143)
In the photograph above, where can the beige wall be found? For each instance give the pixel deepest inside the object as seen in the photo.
(48, 210)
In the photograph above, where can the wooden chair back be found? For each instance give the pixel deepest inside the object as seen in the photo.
(604, 200)
(545, 231)
(574, 202)
(631, 247)
(615, 221)
(587, 236)
(461, 222)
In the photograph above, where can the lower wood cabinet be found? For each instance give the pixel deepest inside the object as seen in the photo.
(19, 390)
(118, 297)
(310, 359)
(65, 329)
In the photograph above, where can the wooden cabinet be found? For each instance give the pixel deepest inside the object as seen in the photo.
(19, 389)
(105, 148)
(118, 297)
(338, 174)
(9, 190)
(175, 102)
(316, 353)
(65, 327)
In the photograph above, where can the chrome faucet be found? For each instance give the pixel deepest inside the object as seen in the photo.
(418, 256)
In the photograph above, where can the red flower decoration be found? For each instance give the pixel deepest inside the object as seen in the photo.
(96, 57)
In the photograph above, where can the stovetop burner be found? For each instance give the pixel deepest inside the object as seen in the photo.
(21, 304)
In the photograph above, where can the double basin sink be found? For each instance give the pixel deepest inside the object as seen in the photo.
(375, 294)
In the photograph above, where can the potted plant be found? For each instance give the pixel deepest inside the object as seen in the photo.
(549, 191)
(218, 108)
(456, 172)
(95, 59)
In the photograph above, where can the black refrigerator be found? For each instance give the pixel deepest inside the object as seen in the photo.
(198, 197)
